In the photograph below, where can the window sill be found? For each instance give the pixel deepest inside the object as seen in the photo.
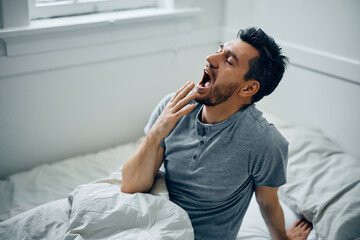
(97, 20)
(88, 30)
(49, 45)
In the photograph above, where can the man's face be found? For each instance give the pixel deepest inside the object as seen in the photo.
(224, 73)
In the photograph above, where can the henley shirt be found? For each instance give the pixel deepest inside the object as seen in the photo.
(211, 170)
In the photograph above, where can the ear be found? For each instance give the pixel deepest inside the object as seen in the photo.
(249, 88)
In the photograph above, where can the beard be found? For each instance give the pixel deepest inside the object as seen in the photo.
(218, 94)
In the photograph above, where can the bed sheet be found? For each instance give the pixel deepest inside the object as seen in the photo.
(254, 227)
(100, 210)
(323, 183)
(46, 183)
(26, 190)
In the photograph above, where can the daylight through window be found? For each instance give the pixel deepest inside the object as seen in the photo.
(58, 8)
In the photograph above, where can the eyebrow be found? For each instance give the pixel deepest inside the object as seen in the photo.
(231, 53)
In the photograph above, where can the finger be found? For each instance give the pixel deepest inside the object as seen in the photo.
(302, 224)
(297, 222)
(179, 91)
(185, 110)
(308, 230)
(183, 102)
(184, 92)
(309, 225)
(305, 225)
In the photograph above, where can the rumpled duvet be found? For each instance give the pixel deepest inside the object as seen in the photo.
(101, 211)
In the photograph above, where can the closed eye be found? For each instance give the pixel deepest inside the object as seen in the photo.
(227, 55)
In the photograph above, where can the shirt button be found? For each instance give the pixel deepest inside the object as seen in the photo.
(201, 142)
(195, 157)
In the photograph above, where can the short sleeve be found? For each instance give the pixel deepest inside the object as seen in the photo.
(268, 159)
(156, 113)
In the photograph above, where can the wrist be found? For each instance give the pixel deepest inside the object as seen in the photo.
(154, 137)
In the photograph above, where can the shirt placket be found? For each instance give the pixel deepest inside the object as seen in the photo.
(202, 139)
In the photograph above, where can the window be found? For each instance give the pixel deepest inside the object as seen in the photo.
(54, 8)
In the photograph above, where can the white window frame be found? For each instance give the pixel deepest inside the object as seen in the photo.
(16, 13)
(76, 7)
(93, 37)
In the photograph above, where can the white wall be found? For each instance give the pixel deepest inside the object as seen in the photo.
(85, 96)
(322, 84)
(326, 25)
(71, 101)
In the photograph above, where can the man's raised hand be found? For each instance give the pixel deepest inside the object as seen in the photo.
(176, 108)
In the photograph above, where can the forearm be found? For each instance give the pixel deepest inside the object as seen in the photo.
(139, 171)
(274, 218)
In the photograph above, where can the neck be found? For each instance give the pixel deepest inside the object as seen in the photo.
(219, 112)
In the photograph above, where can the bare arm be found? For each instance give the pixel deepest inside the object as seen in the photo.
(139, 171)
(273, 215)
(271, 211)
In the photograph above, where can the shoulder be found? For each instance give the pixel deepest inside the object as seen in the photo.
(265, 132)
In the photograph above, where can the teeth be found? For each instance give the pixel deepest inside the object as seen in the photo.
(206, 79)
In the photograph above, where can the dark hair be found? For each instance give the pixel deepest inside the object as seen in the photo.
(267, 68)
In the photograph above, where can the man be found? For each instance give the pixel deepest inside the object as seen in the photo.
(216, 147)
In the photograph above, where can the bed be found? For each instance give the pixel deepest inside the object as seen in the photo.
(61, 201)
(81, 197)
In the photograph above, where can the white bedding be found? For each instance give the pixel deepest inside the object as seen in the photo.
(323, 184)
(254, 227)
(101, 211)
(47, 183)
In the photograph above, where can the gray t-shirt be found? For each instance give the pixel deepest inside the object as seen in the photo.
(211, 169)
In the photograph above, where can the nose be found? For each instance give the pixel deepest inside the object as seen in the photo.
(212, 60)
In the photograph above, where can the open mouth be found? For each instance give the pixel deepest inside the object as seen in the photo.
(206, 80)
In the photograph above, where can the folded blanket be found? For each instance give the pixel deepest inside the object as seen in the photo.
(101, 211)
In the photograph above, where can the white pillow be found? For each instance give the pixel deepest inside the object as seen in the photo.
(323, 183)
